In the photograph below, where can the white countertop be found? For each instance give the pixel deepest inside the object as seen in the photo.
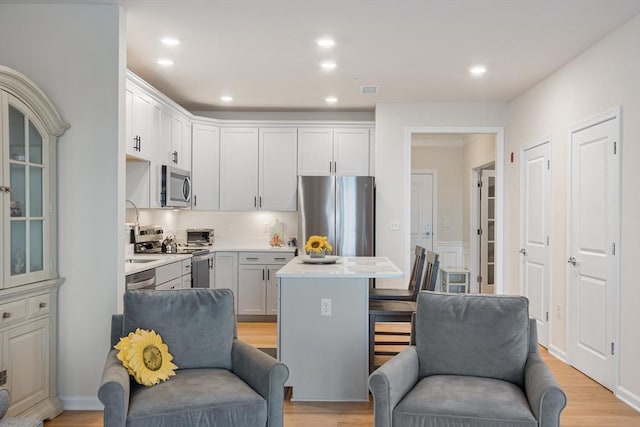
(155, 260)
(345, 267)
(224, 245)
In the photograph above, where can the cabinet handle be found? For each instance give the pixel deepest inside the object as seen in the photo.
(255, 204)
(263, 274)
(330, 167)
(195, 200)
(139, 143)
(175, 157)
(252, 258)
(260, 201)
(5, 189)
(6, 315)
(335, 167)
(268, 275)
(42, 305)
(279, 258)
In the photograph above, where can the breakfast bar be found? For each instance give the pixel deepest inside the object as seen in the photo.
(323, 324)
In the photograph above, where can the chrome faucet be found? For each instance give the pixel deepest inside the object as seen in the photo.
(136, 227)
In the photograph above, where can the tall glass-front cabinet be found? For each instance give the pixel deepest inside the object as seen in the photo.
(29, 125)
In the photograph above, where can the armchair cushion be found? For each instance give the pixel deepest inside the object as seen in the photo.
(184, 320)
(453, 400)
(197, 397)
(472, 335)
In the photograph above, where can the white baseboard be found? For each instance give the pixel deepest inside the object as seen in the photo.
(557, 353)
(628, 397)
(76, 403)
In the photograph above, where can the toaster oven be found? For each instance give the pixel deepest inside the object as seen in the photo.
(200, 236)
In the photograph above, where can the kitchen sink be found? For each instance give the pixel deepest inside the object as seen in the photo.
(138, 260)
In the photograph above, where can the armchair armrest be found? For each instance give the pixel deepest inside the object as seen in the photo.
(264, 374)
(114, 391)
(545, 396)
(391, 382)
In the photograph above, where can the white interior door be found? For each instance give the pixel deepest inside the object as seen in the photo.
(422, 212)
(593, 273)
(487, 233)
(535, 264)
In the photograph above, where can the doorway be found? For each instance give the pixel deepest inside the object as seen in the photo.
(453, 237)
(423, 218)
(593, 249)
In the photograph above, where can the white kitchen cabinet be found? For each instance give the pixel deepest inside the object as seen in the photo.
(277, 185)
(205, 173)
(239, 169)
(257, 283)
(175, 140)
(258, 169)
(226, 273)
(328, 151)
(29, 125)
(140, 123)
(175, 275)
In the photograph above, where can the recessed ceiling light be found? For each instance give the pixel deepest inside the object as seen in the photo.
(226, 98)
(326, 42)
(331, 99)
(328, 65)
(478, 70)
(166, 62)
(170, 41)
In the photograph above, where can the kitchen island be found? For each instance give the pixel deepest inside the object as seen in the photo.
(323, 326)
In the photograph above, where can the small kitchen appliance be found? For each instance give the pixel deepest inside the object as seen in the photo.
(200, 236)
(176, 188)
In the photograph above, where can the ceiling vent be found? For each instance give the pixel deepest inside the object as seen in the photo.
(369, 90)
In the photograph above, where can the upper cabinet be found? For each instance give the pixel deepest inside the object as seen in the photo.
(258, 169)
(327, 151)
(142, 123)
(205, 177)
(278, 169)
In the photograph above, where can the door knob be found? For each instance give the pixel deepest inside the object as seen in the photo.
(523, 251)
(572, 261)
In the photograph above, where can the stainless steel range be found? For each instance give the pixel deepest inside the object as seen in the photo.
(150, 241)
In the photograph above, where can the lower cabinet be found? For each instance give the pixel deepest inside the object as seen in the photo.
(257, 282)
(176, 275)
(28, 348)
(226, 273)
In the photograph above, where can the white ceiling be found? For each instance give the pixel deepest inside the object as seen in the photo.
(263, 52)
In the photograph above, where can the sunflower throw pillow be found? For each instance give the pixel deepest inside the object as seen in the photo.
(146, 357)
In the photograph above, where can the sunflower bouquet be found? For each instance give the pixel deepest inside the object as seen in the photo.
(317, 245)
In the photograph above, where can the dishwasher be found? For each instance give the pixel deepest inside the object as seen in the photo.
(202, 269)
(143, 280)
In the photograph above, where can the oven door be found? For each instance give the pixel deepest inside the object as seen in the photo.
(176, 187)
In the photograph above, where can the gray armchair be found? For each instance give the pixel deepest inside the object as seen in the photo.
(474, 362)
(220, 381)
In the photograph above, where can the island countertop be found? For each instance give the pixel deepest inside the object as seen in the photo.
(345, 267)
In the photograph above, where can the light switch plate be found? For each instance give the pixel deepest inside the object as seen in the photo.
(394, 224)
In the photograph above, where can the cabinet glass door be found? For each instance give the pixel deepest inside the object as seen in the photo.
(27, 216)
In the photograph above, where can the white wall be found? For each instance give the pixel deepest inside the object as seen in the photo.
(227, 225)
(448, 162)
(74, 53)
(603, 77)
(393, 157)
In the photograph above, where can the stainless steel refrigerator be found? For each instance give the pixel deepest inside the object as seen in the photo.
(341, 208)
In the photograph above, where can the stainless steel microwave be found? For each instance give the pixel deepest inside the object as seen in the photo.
(176, 187)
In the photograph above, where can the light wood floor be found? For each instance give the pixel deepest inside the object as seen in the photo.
(590, 404)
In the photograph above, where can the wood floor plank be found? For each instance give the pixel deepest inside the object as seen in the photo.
(590, 404)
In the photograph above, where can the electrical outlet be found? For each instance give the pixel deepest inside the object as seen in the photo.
(394, 224)
(325, 307)
(559, 311)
